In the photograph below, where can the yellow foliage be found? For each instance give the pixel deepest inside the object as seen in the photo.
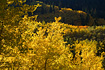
(81, 12)
(69, 9)
(57, 19)
(85, 56)
(31, 45)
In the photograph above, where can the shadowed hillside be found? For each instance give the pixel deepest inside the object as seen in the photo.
(93, 7)
(69, 16)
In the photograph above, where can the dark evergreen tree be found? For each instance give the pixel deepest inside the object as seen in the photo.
(50, 8)
(53, 8)
(59, 5)
(82, 19)
(63, 19)
(42, 9)
(87, 19)
(72, 22)
(95, 22)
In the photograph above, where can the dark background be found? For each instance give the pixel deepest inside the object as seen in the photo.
(94, 7)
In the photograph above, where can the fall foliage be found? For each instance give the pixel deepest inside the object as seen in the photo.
(26, 44)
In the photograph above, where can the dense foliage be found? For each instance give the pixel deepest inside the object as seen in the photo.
(26, 44)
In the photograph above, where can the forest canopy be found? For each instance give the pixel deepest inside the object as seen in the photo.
(29, 44)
